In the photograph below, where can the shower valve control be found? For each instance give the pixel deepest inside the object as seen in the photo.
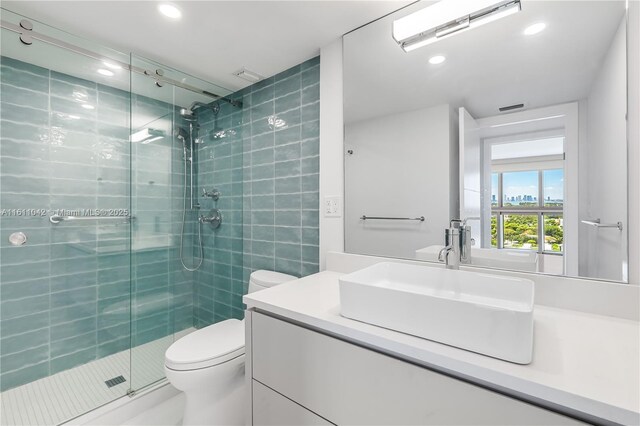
(213, 194)
(214, 218)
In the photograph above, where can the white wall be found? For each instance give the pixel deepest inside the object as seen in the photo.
(633, 75)
(331, 147)
(472, 203)
(583, 190)
(606, 176)
(400, 167)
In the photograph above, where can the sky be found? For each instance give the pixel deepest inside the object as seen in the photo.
(526, 183)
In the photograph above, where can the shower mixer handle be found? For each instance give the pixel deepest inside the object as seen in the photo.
(214, 218)
(214, 194)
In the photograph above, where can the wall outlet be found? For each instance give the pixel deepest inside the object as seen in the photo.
(333, 206)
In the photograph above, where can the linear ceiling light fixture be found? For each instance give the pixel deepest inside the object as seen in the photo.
(146, 136)
(448, 17)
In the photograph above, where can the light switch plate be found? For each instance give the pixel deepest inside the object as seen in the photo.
(332, 206)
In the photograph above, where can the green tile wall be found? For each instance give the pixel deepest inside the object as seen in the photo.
(65, 295)
(278, 132)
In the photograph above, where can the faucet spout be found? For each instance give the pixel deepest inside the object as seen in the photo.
(457, 245)
(444, 253)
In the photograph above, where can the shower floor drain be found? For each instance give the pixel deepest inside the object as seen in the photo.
(115, 381)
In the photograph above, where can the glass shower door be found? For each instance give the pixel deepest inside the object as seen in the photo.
(167, 201)
(162, 298)
(99, 208)
(153, 230)
(65, 225)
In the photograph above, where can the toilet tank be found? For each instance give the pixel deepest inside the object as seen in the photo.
(259, 280)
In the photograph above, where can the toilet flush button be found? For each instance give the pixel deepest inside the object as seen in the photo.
(18, 238)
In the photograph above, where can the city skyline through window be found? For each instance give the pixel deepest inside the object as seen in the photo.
(527, 210)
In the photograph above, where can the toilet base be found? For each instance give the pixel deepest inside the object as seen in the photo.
(213, 395)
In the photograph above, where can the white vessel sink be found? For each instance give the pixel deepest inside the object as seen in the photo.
(488, 314)
(519, 260)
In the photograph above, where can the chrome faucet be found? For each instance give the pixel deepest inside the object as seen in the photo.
(457, 249)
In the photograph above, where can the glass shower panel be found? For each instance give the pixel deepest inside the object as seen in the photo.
(64, 222)
(153, 231)
(164, 180)
(103, 260)
(219, 284)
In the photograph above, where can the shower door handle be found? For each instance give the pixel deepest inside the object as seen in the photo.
(56, 218)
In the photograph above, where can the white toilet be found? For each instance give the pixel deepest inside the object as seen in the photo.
(208, 366)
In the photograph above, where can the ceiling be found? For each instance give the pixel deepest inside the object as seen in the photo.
(214, 38)
(487, 67)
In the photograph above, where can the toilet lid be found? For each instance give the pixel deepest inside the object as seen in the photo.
(265, 278)
(207, 347)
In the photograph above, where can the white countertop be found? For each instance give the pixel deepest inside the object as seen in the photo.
(585, 363)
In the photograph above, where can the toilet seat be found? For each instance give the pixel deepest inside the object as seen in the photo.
(209, 346)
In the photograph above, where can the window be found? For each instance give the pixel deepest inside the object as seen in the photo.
(520, 189)
(494, 189)
(527, 209)
(494, 231)
(553, 233)
(553, 188)
(520, 231)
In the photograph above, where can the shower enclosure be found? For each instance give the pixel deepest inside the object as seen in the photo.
(103, 223)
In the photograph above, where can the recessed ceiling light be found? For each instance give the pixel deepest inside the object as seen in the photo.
(438, 59)
(535, 28)
(112, 65)
(88, 106)
(251, 76)
(170, 11)
(105, 72)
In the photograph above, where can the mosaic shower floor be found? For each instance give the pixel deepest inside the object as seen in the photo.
(68, 394)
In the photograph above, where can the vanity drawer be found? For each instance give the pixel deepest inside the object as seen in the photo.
(272, 409)
(348, 384)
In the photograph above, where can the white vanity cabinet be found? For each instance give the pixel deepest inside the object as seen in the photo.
(299, 376)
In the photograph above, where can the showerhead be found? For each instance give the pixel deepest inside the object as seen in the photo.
(187, 113)
(190, 113)
(181, 133)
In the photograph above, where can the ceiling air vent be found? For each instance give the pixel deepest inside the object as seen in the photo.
(251, 76)
(511, 107)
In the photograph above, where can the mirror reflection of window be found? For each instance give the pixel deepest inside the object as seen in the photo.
(520, 189)
(527, 195)
(539, 117)
(494, 189)
(553, 187)
(520, 231)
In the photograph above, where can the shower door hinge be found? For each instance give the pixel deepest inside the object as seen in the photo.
(131, 393)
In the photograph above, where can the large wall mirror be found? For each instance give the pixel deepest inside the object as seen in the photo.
(518, 127)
